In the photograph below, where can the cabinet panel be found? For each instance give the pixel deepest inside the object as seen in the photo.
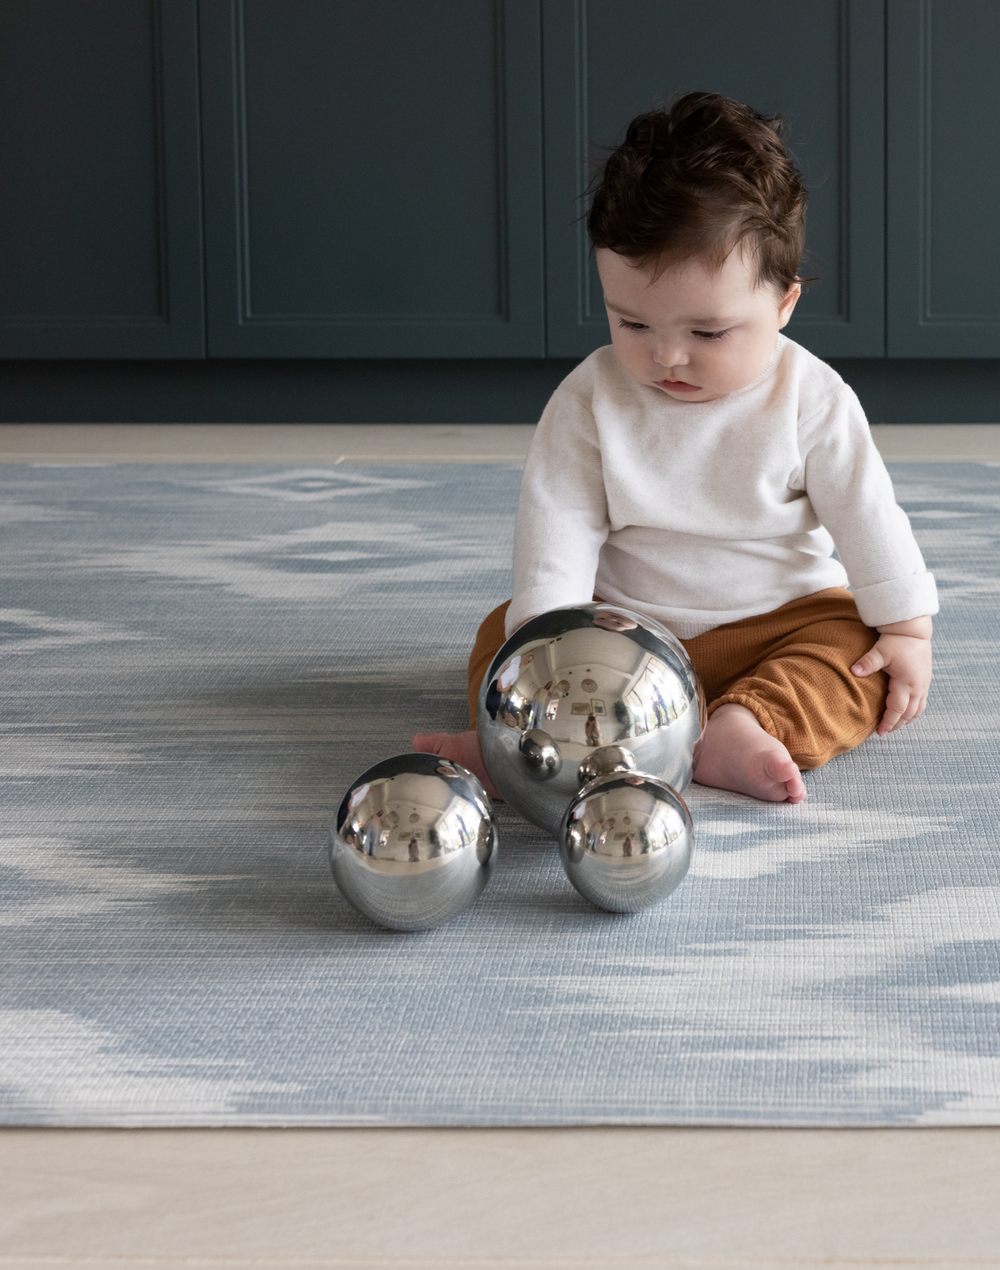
(100, 212)
(373, 178)
(944, 180)
(820, 65)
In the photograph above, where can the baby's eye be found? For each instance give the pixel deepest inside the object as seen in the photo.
(711, 335)
(633, 326)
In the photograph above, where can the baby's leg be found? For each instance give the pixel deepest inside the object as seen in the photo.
(463, 747)
(781, 693)
(797, 707)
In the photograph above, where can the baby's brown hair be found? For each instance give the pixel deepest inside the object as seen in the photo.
(698, 179)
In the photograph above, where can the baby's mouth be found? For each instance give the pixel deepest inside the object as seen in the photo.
(677, 385)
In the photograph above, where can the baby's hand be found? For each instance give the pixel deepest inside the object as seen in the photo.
(903, 651)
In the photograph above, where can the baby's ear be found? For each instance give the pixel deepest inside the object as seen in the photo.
(787, 306)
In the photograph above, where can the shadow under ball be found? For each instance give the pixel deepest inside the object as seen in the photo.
(413, 842)
(581, 691)
(625, 841)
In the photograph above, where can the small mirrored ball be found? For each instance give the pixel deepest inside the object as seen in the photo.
(413, 841)
(625, 841)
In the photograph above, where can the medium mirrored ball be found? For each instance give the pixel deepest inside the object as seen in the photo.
(581, 691)
(413, 842)
(625, 841)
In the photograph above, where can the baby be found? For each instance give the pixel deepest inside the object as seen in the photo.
(703, 467)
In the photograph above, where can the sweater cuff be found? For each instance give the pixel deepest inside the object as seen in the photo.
(897, 600)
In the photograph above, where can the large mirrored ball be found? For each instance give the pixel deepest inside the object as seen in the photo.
(625, 841)
(413, 841)
(582, 691)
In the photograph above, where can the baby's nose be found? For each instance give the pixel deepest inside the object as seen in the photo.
(669, 356)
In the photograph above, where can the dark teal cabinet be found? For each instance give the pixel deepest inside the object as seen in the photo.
(943, 178)
(348, 179)
(373, 178)
(100, 199)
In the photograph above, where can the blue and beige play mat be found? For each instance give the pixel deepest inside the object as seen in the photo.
(197, 659)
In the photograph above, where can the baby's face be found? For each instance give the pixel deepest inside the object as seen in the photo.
(694, 334)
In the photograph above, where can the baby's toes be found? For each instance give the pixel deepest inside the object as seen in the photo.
(780, 767)
(783, 771)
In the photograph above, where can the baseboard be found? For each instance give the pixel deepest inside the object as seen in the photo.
(415, 391)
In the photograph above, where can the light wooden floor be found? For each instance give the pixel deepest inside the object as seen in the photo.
(385, 442)
(510, 1199)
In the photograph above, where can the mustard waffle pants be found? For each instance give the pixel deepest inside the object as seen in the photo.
(791, 668)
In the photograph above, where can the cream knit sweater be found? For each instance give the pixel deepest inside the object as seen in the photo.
(700, 513)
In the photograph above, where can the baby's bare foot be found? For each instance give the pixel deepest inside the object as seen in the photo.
(463, 747)
(736, 753)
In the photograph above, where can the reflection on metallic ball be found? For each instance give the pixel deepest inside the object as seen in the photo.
(603, 761)
(542, 759)
(588, 677)
(413, 842)
(625, 841)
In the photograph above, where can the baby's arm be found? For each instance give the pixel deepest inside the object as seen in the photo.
(903, 651)
(850, 490)
(562, 515)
